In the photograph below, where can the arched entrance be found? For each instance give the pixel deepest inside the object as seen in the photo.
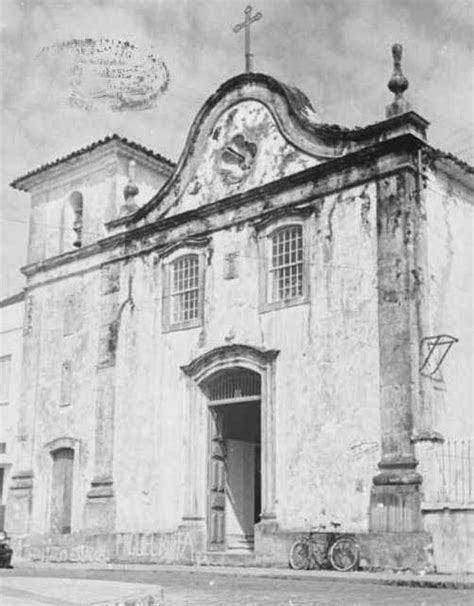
(230, 469)
(234, 468)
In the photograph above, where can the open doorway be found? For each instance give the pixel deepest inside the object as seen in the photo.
(234, 477)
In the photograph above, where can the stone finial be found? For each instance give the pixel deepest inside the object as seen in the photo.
(129, 192)
(397, 84)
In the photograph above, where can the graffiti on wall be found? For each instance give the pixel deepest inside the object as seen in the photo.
(357, 450)
(169, 547)
(151, 547)
(65, 552)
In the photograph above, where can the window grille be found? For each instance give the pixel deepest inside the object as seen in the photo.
(185, 289)
(5, 366)
(452, 475)
(286, 271)
(235, 386)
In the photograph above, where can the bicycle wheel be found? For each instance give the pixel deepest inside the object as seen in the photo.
(319, 556)
(299, 555)
(344, 554)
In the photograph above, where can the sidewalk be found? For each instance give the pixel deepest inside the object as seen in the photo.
(408, 579)
(42, 591)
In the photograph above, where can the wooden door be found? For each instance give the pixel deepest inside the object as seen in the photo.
(61, 490)
(216, 481)
(257, 484)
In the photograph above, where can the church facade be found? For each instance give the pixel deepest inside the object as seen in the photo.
(219, 353)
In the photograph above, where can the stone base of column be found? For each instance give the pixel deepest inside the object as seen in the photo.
(268, 523)
(100, 507)
(270, 543)
(19, 504)
(395, 498)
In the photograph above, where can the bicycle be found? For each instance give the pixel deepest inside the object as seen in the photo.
(335, 550)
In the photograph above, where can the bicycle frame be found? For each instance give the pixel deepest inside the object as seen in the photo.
(318, 552)
(320, 541)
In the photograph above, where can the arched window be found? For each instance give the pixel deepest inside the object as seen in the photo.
(61, 490)
(76, 202)
(286, 264)
(71, 222)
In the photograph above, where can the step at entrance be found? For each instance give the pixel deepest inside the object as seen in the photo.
(240, 543)
(227, 558)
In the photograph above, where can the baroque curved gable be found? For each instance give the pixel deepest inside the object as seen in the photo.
(252, 131)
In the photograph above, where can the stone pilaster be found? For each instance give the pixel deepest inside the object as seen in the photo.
(395, 496)
(100, 508)
(19, 510)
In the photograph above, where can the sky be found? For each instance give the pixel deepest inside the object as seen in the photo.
(336, 51)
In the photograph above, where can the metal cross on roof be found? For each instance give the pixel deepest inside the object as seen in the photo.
(248, 21)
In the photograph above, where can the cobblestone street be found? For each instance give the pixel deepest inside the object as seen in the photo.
(199, 587)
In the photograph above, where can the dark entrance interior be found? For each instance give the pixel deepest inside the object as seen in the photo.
(234, 460)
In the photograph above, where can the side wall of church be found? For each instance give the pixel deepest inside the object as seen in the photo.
(447, 463)
(450, 216)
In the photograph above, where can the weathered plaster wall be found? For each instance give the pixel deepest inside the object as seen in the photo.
(250, 129)
(54, 406)
(449, 286)
(328, 378)
(448, 467)
(11, 324)
(51, 221)
(326, 373)
(453, 538)
(150, 423)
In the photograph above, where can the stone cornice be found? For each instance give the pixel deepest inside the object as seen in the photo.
(229, 352)
(321, 180)
(187, 243)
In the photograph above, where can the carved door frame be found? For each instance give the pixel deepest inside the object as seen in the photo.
(198, 372)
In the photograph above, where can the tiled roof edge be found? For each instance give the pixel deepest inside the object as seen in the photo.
(12, 299)
(83, 150)
(439, 154)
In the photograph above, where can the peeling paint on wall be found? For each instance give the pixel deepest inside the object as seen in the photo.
(245, 150)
